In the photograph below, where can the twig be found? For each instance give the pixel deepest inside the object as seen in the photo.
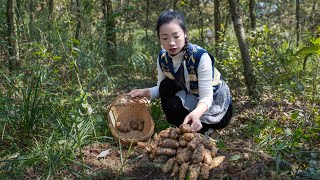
(268, 157)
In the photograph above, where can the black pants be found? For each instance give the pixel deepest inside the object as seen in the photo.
(174, 110)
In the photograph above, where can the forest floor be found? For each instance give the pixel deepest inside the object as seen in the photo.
(251, 163)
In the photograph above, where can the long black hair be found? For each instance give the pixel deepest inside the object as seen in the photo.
(167, 17)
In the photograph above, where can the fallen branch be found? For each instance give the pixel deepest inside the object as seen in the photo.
(265, 156)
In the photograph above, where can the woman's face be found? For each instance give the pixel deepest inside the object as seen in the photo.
(172, 37)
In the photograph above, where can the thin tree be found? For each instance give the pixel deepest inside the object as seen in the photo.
(146, 23)
(252, 5)
(51, 6)
(110, 23)
(78, 28)
(12, 38)
(31, 18)
(244, 49)
(298, 21)
(200, 9)
(175, 4)
(217, 27)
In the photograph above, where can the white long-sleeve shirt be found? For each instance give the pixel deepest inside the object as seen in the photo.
(204, 78)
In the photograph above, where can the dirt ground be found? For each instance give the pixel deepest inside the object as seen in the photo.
(243, 159)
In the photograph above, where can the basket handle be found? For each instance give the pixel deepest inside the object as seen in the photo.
(143, 100)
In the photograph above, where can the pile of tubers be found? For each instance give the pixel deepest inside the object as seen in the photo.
(184, 152)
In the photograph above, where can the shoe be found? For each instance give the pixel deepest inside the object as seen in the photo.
(211, 133)
(208, 132)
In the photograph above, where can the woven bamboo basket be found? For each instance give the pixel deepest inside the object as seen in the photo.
(124, 110)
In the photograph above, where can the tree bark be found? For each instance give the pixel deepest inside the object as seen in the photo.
(78, 28)
(297, 22)
(244, 49)
(217, 27)
(146, 23)
(51, 5)
(252, 5)
(200, 22)
(110, 23)
(31, 11)
(12, 37)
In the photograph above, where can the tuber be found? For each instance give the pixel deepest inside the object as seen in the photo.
(193, 143)
(134, 125)
(216, 161)
(168, 166)
(165, 151)
(205, 168)
(185, 128)
(175, 169)
(194, 171)
(183, 155)
(122, 127)
(182, 142)
(173, 134)
(169, 143)
(198, 153)
(208, 143)
(188, 136)
(207, 158)
(183, 171)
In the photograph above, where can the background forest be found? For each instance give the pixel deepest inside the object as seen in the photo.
(62, 62)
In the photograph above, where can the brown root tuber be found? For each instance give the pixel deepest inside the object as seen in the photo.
(207, 158)
(216, 161)
(122, 127)
(182, 142)
(183, 155)
(166, 151)
(214, 151)
(194, 171)
(175, 169)
(188, 136)
(140, 125)
(174, 134)
(185, 128)
(208, 143)
(168, 166)
(198, 154)
(169, 143)
(193, 143)
(183, 171)
(205, 168)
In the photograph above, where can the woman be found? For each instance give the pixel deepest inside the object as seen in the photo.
(190, 88)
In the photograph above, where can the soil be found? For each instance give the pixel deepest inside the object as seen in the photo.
(243, 159)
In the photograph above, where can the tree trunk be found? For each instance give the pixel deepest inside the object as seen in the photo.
(217, 27)
(51, 5)
(78, 28)
(175, 4)
(110, 23)
(298, 21)
(12, 38)
(146, 23)
(200, 8)
(244, 49)
(252, 5)
(31, 11)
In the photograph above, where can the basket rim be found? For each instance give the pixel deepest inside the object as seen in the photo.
(114, 132)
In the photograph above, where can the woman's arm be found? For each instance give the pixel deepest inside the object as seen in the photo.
(150, 93)
(205, 93)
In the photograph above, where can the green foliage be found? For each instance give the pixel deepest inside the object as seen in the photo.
(54, 104)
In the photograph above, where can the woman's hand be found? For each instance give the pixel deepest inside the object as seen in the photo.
(140, 93)
(194, 120)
